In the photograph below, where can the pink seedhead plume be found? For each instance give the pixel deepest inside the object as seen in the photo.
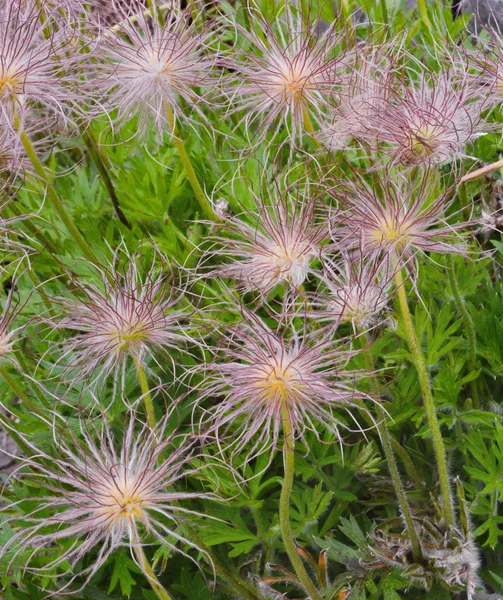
(34, 71)
(130, 314)
(264, 375)
(145, 67)
(396, 218)
(364, 88)
(431, 121)
(283, 74)
(101, 491)
(487, 66)
(353, 291)
(276, 245)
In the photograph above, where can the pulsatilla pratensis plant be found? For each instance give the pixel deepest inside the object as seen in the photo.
(103, 492)
(282, 74)
(365, 86)
(430, 121)
(353, 290)
(334, 338)
(268, 376)
(276, 244)
(277, 382)
(397, 218)
(37, 71)
(129, 315)
(146, 67)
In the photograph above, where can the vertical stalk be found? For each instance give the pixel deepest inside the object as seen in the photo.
(284, 508)
(429, 405)
(187, 165)
(423, 11)
(239, 585)
(15, 388)
(384, 10)
(469, 328)
(147, 396)
(308, 125)
(103, 165)
(52, 194)
(149, 572)
(403, 502)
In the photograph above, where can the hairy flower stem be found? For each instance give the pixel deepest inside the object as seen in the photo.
(469, 328)
(36, 282)
(482, 171)
(429, 405)
(187, 165)
(233, 580)
(386, 440)
(53, 195)
(15, 388)
(408, 464)
(160, 592)
(308, 126)
(145, 390)
(384, 11)
(423, 10)
(284, 508)
(103, 165)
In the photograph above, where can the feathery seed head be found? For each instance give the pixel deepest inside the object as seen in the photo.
(144, 67)
(34, 71)
(263, 374)
(355, 291)
(429, 122)
(278, 249)
(364, 88)
(401, 220)
(283, 74)
(103, 492)
(129, 316)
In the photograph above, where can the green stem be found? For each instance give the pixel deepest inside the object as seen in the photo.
(147, 396)
(187, 165)
(469, 328)
(52, 194)
(308, 126)
(36, 282)
(15, 388)
(429, 405)
(284, 508)
(386, 439)
(409, 465)
(102, 163)
(149, 573)
(423, 11)
(384, 10)
(239, 586)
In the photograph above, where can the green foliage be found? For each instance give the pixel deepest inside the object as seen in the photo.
(343, 507)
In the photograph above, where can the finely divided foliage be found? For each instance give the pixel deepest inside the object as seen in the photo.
(250, 306)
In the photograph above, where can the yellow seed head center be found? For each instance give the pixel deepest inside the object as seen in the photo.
(130, 335)
(279, 383)
(292, 83)
(10, 83)
(124, 502)
(290, 262)
(391, 231)
(423, 141)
